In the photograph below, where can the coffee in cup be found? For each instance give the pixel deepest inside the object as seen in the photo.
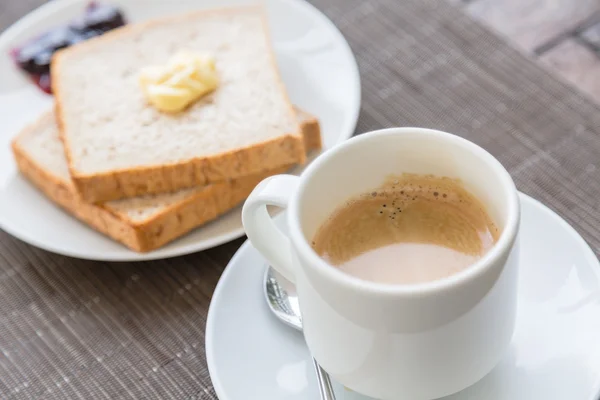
(412, 229)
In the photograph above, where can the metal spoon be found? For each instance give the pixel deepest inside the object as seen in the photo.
(283, 302)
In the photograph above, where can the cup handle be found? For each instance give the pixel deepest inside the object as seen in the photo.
(264, 235)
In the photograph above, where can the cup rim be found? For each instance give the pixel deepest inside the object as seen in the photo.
(500, 248)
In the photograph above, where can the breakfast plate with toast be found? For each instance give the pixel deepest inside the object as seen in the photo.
(134, 130)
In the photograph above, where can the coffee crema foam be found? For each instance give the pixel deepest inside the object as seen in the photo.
(413, 229)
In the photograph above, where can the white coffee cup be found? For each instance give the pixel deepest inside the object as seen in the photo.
(416, 341)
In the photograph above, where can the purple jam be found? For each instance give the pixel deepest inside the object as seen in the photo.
(34, 57)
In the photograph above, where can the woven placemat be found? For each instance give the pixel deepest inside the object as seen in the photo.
(72, 329)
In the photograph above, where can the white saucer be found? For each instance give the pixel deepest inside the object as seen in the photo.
(316, 64)
(555, 353)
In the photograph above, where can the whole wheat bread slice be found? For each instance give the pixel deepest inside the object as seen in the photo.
(142, 223)
(118, 145)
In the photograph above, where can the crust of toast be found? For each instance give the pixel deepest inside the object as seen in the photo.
(124, 183)
(204, 204)
(311, 131)
(63, 193)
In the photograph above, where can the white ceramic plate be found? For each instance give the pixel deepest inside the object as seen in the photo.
(554, 355)
(316, 64)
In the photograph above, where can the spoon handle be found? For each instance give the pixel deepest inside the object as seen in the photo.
(324, 382)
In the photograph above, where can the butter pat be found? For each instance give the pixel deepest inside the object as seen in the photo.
(183, 80)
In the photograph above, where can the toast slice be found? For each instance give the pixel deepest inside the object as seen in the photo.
(118, 146)
(142, 223)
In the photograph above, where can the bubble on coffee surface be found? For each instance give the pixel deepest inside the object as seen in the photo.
(397, 198)
(408, 209)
